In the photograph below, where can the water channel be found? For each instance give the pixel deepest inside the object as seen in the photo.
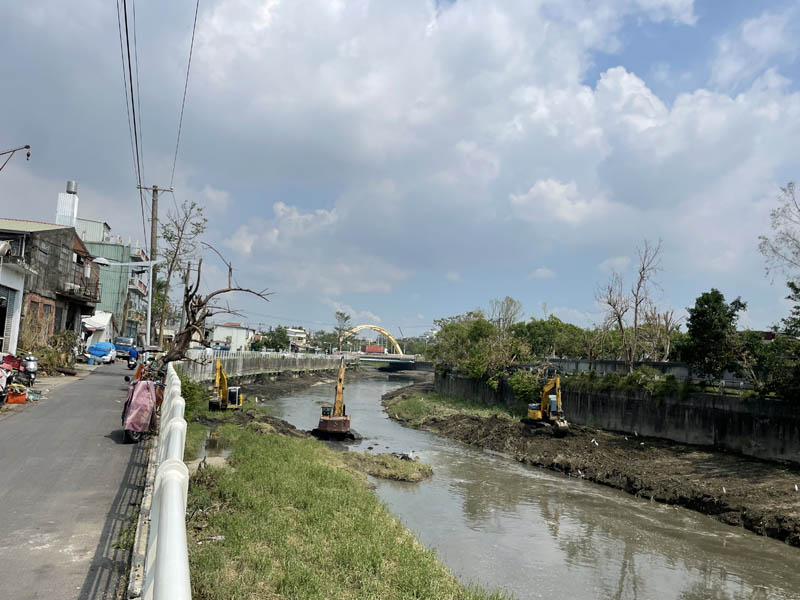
(538, 534)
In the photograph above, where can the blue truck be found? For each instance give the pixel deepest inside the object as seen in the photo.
(124, 345)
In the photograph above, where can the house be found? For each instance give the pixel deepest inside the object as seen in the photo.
(123, 291)
(298, 338)
(235, 336)
(61, 283)
(12, 286)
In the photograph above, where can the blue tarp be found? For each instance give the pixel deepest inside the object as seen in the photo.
(101, 348)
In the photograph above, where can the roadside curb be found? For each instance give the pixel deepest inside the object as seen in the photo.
(139, 552)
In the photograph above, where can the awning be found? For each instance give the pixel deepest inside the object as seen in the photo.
(100, 320)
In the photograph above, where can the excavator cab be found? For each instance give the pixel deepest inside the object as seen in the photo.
(224, 397)
(548, 412)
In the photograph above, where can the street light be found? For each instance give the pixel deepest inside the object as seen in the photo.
(104, 262)
(12, 151)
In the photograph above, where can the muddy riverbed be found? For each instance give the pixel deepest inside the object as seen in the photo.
(758, 495)
(539, 534)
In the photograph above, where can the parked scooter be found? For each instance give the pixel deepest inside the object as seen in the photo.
(28, 367)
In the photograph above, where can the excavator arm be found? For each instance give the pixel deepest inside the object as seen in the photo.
(338, 405)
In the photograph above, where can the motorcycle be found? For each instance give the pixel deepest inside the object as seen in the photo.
(28, 367)
(132, 362)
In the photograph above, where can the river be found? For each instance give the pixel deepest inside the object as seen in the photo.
(538, 534)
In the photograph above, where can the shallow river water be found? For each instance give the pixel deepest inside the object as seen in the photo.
(538, 534)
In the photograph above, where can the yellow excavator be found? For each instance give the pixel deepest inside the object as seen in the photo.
(224, 397)
(334, 422)
(548, 412)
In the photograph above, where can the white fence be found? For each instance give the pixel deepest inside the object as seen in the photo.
(201, 364)
(166, 569)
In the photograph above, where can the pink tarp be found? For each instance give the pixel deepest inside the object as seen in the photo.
(140, 413)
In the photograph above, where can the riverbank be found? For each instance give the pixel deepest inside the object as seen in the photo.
(289, 517)
(740, 491)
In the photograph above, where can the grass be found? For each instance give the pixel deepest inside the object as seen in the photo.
(127, 535)
(292, 520)
(419, 406)
(196, 434)
(387, 466)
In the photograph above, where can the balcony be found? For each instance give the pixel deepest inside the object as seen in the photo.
(78, 286)
(137, 285)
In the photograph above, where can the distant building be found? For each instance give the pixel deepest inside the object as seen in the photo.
(298, 338)
(235, 336)
(123, 291)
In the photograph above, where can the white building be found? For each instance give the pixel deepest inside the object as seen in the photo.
(235, 336)
(298, 337)
(12, 286)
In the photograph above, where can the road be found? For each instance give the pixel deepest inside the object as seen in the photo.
(68, 486)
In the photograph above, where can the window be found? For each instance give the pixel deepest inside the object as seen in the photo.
(34, 308)
(46, 308)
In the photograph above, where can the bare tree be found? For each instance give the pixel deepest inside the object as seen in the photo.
(782, 250)
(181, 233)
(649, 264)
(198, 308)
(617, 304)
(504, 313)
(593, 340)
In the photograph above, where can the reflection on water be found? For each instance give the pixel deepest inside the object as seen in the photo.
(538, 534)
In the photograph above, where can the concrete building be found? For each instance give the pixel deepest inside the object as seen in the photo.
(235, 336)
(123, 291)
(12, 286)
(298, 338)
(61, 282)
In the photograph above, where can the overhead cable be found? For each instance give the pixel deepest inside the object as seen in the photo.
(185, 88)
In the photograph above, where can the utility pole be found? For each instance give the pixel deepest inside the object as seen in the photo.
(153, 236)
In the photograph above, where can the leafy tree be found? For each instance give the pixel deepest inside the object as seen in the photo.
(782, 250)
(712, 346)
(473, 345)
(342, 326)
(791, 324)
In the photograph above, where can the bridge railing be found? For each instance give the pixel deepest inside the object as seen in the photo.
(166, 568)
(201, 364)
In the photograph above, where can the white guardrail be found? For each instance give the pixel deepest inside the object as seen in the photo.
(166, 568)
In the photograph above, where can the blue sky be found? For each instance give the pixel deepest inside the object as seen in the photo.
(409, 161)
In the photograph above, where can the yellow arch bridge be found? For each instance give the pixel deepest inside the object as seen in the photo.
(397, 358)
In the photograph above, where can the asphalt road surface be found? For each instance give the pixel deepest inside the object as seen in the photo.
(68, 487)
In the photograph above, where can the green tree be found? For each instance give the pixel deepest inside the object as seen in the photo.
(342, 326)
(273, 339)
(712, 346)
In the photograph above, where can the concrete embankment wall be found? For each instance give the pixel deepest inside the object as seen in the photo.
(764, 429)
(247, 366)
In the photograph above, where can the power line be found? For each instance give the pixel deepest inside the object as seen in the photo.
(138, 87)
(125, 91)
(133, 113)
(185, 87)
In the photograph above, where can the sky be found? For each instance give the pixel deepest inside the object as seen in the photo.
(407, 161)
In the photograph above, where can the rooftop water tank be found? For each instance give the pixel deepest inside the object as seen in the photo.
(72, 187)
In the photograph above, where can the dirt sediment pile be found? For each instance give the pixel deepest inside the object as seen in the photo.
(758, 495)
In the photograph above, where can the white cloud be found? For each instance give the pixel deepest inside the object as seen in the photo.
(552, 200)
(543, 273)
(452, 276)
(615, 263)
(217, 200)
(358, 317)
(745, 52)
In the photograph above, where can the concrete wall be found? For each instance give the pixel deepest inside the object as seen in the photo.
(766, 429)
(201, 366)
